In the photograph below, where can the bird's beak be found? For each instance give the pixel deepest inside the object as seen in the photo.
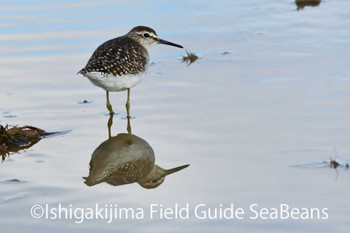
(161, 41)
(176, 169)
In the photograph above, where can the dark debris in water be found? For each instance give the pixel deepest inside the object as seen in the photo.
(303, 3)
(85, 102)
(153, 63)
(15, 139)
(12, 181)
(189, 58)
(8, 115)
(226, 53)
(332, 163)
(335, 164)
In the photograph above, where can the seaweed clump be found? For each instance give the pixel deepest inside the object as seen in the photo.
(302, 3)
(189, 58)
(14, 139)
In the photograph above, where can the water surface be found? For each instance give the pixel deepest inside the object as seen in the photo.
(269, 92)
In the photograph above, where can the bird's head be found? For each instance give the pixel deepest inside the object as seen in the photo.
(157, 176)
(148, 37)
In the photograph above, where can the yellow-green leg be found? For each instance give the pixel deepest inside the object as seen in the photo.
(127, 105)
(108, 104)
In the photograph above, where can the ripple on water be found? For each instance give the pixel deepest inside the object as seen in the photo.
(16, 196)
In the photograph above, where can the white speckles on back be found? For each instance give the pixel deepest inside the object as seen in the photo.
(110, 82)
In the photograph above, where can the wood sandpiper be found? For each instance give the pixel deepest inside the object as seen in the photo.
(121, 63)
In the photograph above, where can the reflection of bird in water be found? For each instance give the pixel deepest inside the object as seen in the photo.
(302, 3)
(125, 159)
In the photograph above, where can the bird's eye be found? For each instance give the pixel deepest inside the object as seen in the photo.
(146, 35)
(154, 181)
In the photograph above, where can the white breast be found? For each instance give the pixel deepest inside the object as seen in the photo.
(114, 83)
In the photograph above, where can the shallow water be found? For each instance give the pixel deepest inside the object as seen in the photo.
(269, 93)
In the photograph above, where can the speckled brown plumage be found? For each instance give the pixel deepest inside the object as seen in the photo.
(121, 63)
(129, 172)
(119, 56)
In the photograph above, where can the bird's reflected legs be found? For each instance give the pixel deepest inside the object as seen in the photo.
(109, 124)
(108, 104)
(130, 141)
(127, 105)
